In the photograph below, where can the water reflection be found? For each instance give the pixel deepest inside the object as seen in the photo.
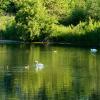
(68, 73)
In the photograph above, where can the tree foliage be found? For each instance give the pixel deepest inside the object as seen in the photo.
(93, 9)
(35, 19)
(32, 20)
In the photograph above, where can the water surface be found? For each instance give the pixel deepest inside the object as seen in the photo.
(68, 74)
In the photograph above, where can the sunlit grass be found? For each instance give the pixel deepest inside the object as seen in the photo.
(83, 32)
(81, 28)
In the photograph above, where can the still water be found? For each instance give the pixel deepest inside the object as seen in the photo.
(68, 73)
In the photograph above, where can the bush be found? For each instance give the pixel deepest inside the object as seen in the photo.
(7, 27)
(10, 32)
(85, 33)
(32, 21)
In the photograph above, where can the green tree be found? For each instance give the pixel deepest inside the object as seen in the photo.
(9, 6)
(93, 9)
(58, 9)
(32, 20)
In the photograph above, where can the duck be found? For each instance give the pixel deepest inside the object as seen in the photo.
(39, 66)
(54, 51)
(27, 67)
(93, 50)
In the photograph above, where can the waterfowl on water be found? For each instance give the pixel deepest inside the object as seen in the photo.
(54, 51)
(93, 50)
(26, 66)
(38, 65)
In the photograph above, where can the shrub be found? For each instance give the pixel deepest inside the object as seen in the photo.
(85, 33)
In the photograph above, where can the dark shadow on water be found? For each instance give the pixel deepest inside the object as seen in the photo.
(8, 82)
(42, 93)
(94, 96)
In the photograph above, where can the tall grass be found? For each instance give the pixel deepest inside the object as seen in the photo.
(86, 33)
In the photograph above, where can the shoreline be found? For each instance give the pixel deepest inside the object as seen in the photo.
(48, 43)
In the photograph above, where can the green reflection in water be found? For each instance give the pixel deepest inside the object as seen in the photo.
(68, 73)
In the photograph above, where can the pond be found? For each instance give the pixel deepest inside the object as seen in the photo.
(67, 73)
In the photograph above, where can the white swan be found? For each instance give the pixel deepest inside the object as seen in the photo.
(93, 50)
(39, 66)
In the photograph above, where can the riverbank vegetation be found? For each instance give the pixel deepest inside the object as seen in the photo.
(67, 21)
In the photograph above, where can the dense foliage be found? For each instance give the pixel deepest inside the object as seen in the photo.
(54, 20)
